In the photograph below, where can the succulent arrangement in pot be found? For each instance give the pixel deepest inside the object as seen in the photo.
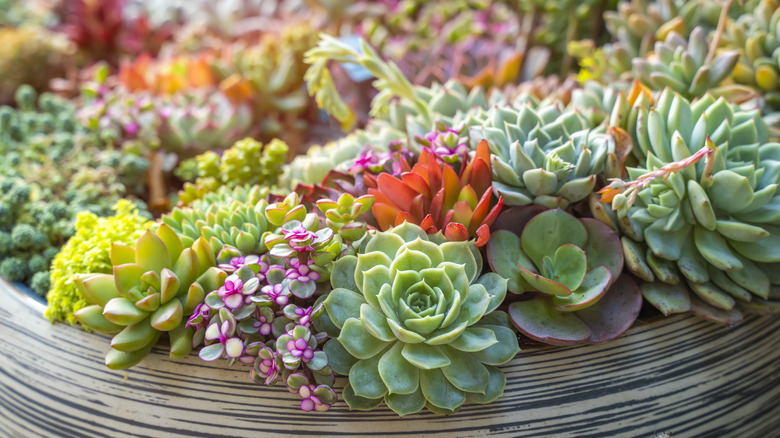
(407, 261)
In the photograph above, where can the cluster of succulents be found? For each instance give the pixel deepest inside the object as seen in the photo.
(469, 214)
(88, 251)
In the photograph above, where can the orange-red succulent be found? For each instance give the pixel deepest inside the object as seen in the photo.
(434, 197)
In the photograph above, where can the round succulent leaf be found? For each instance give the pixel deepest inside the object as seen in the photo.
(446, 335)
(408, 260)
(342, 304)
(398, 374)
(549, 230)
(122, 311)
(714, 248)
(668, 298)
(373, 280)
(149, 303)
(474, 339)
(502, 351)
(388, 243)
(751, 278)
(425, 356)
(342, 274)
(211, 352)
(92, 318)
(365, 380)
(338, 357)
(475, 305)
(730, 191)
(409, 232)
(357, 403)
(592, 289)
(151, 253)
(504, 255)
(367, 261)
(496, 287)
(438, 390)
(318, 361)
(358, 341)
(134, 337)
(99, 289)
(494, 389)
(403, 334)
(539, 320)
(405, 404)
(614, 313)
(430, 249)
(168, 316)
(120, 360)
(462, 254)
(766, 250)
(376, 323)
(127, 277)
(569, 265)
(465, 372)
(538, 283)
(603, 247)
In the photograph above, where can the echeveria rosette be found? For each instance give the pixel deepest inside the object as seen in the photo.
(570, 268)
(153, 287)
(542, 156)
(710, 228)
(416, 324)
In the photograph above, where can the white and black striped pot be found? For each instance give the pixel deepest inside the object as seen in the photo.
(681, 375)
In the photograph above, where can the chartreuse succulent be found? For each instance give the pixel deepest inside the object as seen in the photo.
(567, 268)
(757, 37)
(542, 156)
(416, 324)
(701, 211)
(88, 252)
(153, 287)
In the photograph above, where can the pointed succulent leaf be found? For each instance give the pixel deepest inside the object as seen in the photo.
(123, 312)
(134, 337)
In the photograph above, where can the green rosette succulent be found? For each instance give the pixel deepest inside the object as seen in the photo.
(153, 287)
(565, 268)
(417, 325)
(232, 217)
(542, 156)
(685, 67)
(703, 211)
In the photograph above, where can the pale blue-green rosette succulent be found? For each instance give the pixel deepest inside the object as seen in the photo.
(416, 324)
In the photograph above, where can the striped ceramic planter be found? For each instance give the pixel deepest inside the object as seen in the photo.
(680, 375)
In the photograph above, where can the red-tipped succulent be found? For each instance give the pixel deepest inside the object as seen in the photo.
(433, 196)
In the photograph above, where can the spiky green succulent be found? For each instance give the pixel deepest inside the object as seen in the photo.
(233, 217)
(153, 287)
(709, 226)
(685, 66)
(542, 156)
(416, 324)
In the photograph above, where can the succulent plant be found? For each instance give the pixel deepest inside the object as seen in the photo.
(229, 217)
(686, 67)
(416, 324)
(571, 268)
(435, 197)
(246, 163)
(88, 252)
(542, 156)
(757, 37)
(153, 287)
(700, 211)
